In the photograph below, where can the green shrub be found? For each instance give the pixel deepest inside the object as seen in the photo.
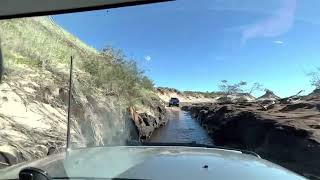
(113, 72)
(147, 83)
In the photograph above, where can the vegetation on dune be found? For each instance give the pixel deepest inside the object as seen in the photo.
(113, 73)
(204, 94)
(255, 87)
(40, 44)
(225, 89)
(212, 94)
(315, 78)
(229, 89)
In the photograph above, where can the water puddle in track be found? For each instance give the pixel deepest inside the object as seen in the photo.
(181, 128)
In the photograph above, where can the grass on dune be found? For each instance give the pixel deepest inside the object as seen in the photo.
(40, 44)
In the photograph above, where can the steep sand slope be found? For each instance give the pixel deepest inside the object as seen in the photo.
(34, 95)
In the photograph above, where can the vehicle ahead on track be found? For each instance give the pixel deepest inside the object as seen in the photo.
(174, 102)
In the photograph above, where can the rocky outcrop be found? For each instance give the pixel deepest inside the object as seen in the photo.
(288, 135)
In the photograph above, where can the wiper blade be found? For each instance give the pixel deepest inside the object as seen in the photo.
(190, 144)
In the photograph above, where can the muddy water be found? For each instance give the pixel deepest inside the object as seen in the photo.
(181, 127)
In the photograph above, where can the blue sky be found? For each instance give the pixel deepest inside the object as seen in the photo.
(192, 46)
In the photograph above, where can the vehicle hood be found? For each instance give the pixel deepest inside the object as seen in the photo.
(142, 162)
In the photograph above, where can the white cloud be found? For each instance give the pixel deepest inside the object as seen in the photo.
(147, 58)
(278, 42)
(274, 25)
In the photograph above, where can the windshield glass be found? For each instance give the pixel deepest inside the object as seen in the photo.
(243, 75)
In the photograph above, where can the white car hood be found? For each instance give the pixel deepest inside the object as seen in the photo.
(156, 163)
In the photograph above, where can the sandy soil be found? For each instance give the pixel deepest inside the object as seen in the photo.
(165, 95)
(287, 133)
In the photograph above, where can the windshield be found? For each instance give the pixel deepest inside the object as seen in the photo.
(243, 75)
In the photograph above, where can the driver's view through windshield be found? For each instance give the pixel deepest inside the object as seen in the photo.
(171, 90)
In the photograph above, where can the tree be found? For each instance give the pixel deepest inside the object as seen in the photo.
(229, 89)
(315, 78)
(256, 87)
